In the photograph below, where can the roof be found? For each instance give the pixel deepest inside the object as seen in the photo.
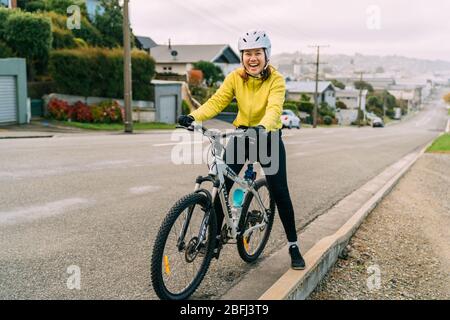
(194, 53)
(146, 42)
(349, 92)
(402, 95)
(166, 82)
(308, 86)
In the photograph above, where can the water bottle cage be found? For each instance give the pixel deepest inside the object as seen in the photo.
(250, 175)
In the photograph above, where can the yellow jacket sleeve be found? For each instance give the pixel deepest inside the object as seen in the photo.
(219, 101)
(274, 105)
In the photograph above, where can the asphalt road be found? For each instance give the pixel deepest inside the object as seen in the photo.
(93, 203)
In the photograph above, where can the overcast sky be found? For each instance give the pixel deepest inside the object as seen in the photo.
(413, 28)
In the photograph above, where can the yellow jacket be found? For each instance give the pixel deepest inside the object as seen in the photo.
(259, 102)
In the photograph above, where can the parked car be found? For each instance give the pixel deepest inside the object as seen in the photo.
(374, 120)
(289, 119)
(377, 122)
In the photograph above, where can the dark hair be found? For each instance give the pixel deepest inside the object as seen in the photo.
(265, 74)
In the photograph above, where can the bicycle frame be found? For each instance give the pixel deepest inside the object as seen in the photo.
(217, 173)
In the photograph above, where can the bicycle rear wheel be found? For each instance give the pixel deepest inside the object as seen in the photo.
(251, 246)
(180, 263)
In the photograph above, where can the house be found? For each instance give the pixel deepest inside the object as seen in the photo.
(351, 97)
(14, 107)
(94, 6)
(8, 3)
(179, 59)
(378, 83)
(412, 97)
(326, 91)
(145, 43)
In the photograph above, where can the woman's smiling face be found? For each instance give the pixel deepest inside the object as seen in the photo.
(254, 60)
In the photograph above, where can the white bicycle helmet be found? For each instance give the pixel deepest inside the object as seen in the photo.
(254, 39)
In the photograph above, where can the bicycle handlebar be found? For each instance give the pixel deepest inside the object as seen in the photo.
(214, 134)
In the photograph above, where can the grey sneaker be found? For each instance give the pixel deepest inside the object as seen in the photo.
(297, 262)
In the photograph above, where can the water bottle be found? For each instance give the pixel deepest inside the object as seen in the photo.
(238, 200)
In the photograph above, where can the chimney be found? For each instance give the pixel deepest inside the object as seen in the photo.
(170, 46)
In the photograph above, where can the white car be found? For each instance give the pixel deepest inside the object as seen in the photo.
(290, 120)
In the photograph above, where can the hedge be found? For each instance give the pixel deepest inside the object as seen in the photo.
(5, 51)
(63, 38)
(4, 14)
(29, 36)
(99, 72)
(87, 31)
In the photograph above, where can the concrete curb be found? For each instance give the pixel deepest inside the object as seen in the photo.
(298, 285)
(26, 137)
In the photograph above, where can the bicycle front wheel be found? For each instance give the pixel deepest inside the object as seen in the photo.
(183, 248)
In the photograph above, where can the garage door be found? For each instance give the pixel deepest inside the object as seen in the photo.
(8, 99)
(167, 109)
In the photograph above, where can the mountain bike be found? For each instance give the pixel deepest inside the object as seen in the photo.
(188, 237)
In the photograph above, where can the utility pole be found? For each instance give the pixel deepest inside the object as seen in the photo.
(360, 97)
(316, 98)
(127, 69)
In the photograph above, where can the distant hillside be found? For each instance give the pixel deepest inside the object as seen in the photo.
(340, 64)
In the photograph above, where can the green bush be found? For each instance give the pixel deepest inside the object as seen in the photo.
(390, 113)
(326, 110)
(63, 38)
(89, 33)
(306, 106)
(30, 36)
(200, 94)
(5, 51)
(36, 90)
(99, 72)
(185, 108)
(341, 105)
(35, 5)
(291, 106)
(327, 120)
(4, 14)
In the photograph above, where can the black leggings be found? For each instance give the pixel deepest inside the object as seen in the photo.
(277, 183)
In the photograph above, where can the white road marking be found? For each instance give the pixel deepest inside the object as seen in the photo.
(21, 215)
(144, 189)
(177, 143)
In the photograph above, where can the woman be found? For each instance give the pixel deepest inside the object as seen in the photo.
(259, 90)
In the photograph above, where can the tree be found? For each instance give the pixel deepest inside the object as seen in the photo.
(341, 105)
(34, 40)
(338, 84)
(110, 23)
(305, 104)
(211, 72)
(363, 85)
(447, 98)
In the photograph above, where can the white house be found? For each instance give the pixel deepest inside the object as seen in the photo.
(179, 59)
(326, 91)
(411, 94)
(351, 97)
(8, 3)
(93, 7)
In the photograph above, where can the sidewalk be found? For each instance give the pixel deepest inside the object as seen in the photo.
(405, 242)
